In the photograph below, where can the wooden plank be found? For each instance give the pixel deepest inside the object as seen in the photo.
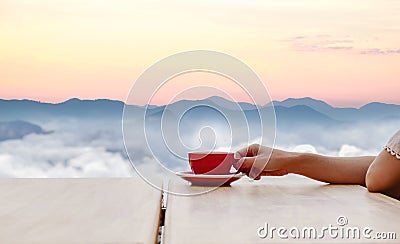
(234, 214)
(114, 210)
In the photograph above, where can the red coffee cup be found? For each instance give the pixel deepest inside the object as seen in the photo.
(211, 163)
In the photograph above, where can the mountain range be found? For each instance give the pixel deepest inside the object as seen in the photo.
(18, 129)
(374, 110)
(305, 109)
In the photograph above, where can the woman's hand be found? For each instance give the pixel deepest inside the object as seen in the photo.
(256, 161)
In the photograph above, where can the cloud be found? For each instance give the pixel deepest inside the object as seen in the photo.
(353, 139)
(306, 148)
(344, 151)
(57, 160)
(95, 148)
(320, 43)
(351, 151)
(379, 51)
(326, 43)
(75, 149)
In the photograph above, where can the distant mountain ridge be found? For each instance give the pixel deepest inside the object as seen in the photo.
(33, 110)
(289, 102)
(293, 109)
(374, 110)
(18, 129)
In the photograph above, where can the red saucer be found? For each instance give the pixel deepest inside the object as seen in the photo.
(209, 180)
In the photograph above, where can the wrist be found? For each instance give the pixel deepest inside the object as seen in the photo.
(296, 162)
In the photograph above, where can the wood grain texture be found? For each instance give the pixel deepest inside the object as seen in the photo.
(233, 214)
(115, 210)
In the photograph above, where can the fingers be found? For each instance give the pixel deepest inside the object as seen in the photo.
(243, 152)
(277, 172)
(253, 164)
(249, 151)
(247, 166)
(255, 174)
(244, 164)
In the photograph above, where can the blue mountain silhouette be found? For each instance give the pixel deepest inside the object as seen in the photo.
(304, 110)
(18, 129)
(370, 111)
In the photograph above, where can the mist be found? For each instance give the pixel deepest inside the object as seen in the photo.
(80, 146)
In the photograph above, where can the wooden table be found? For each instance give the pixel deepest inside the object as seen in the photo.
(78, 210)
(128, 211)
(235, 214)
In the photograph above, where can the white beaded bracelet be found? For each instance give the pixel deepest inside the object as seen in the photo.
(391, 151)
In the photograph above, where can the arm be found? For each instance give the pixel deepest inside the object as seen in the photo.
(345, 170)
(379, 174)
(384, 175)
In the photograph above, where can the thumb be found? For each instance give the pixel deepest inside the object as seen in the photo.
(244, 164)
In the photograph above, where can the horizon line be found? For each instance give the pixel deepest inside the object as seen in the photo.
(207, 98)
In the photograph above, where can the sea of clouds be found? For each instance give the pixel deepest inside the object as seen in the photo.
(95, 148)
(76, 148)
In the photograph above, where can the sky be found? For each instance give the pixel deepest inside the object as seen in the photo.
(344, 52)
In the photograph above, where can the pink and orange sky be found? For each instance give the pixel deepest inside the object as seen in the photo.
(344, 52)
